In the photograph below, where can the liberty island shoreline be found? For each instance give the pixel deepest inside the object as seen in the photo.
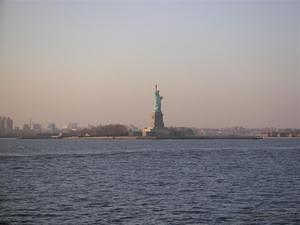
(137, 138)
(133, 138)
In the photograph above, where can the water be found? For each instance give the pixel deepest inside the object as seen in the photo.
(149, 182)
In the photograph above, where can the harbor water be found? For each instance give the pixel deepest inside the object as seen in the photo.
(149, 182)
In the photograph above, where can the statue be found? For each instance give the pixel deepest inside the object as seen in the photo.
(157, 100)
(157, 128)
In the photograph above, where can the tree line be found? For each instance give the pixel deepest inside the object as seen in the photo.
(106, 131)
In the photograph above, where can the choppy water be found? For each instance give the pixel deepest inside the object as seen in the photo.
(149, 182)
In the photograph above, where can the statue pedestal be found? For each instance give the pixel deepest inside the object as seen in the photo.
(158, 128)
(156, 132)
(157, 120)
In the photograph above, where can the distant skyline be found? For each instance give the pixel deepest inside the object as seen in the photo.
(216, 63)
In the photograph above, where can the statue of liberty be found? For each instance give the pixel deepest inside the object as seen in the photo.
(157, 100)
(157, 127)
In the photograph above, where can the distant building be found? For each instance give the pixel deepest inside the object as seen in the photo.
(282, 133)
(72, 126)
(52, 128)
(90, 126)
(2, 126)
(26, 128)
(6, 125)
(16, 131)
(182, 131)
(36, 127)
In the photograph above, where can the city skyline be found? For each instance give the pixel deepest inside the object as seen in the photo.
(219, 64)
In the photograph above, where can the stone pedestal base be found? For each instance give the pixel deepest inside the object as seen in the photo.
(157, 120)
(157, 128)
(152, 132)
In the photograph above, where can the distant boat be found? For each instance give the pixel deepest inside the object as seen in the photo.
(60, 135)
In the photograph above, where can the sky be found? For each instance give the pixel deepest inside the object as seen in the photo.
(216, 63)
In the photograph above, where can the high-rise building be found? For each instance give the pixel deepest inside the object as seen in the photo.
(6, 125)
(9, 125)
(1, 125)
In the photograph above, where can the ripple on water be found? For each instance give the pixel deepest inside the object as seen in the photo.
(154, 182)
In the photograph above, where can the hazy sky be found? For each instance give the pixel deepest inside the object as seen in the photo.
(217, 63)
